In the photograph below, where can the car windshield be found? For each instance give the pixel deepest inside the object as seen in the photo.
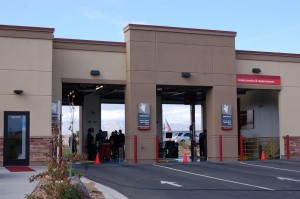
(187, 135)
(179, 134)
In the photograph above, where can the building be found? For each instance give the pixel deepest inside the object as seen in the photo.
(154, 65)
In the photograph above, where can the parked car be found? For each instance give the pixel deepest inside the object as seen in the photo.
(184, 137)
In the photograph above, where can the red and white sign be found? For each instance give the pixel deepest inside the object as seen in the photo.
(258, 79)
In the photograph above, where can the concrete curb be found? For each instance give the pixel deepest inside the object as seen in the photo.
(108, 192)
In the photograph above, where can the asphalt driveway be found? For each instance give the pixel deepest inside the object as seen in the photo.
(249, 179)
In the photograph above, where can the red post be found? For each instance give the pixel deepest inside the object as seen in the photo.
(135, 149)
(287, 145)
(157, 150)
(241, 148)
(221, 148)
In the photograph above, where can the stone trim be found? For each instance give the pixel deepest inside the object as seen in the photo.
(38, 148)
(294, 146)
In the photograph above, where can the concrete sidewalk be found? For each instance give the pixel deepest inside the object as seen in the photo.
(15, 185)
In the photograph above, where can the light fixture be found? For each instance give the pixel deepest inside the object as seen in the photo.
(256, 70)
(95, 72)
(99, 87)
(186, 74)
(18, 92)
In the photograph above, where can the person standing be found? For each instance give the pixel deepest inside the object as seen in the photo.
(90, 144)
(121, 144)
(203, 143)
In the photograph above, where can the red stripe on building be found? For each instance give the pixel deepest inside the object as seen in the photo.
(258, 79)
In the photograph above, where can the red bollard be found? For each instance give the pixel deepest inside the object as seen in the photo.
(221, 148)
(241, 148)
(287, 145)
(135, 149)
(157, 150)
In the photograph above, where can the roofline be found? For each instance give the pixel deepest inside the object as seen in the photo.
(267, 56)
(267, 53)
(27, 28)
(95, 42)
(178, 29)
(89, 45)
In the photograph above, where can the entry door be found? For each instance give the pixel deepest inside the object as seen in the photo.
(16, 138)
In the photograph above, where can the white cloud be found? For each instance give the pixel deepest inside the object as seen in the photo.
(92, 13)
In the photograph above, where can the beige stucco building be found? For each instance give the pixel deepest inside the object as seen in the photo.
(155, 65)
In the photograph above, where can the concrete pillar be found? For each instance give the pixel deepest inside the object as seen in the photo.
(91, 116)
(217, 96)
(135, 94)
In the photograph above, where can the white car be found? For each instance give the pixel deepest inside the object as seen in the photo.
(184, 137)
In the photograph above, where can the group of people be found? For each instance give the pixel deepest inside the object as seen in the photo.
(116, 141)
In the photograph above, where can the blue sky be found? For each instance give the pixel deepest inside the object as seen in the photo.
(261, 25)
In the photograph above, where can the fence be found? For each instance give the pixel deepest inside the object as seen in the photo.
(252, 148)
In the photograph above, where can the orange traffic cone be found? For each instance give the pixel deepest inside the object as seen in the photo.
(97, 159)
(184, 158)
(263, 157)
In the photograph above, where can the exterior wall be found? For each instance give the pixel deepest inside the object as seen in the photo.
(158, 56)
(287, 66)
(26, 64)
(74, 59)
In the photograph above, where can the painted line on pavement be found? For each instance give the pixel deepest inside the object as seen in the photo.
(214, 178)
(256, 165)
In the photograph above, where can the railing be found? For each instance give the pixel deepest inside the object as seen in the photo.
(253, 147)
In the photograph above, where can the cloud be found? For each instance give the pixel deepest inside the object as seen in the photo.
(92, 14)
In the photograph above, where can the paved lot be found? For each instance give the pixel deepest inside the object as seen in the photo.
(250, 179)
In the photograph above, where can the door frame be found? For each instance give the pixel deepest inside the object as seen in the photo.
(16, 162)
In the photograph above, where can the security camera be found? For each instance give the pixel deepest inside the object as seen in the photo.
(18, 92)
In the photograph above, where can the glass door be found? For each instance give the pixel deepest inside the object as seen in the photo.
(16, 138)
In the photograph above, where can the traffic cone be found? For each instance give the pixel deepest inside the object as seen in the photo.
(263, 157)
(184, 158)
(97, 159)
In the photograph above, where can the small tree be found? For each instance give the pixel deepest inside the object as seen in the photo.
(58, 182)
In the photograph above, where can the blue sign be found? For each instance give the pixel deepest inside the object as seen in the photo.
(144, 116)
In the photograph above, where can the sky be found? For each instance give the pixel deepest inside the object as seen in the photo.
(261, 25)
(113, 117)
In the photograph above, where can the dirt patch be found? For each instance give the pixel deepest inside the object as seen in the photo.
(88, 190)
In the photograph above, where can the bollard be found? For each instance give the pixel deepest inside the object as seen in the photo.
(241, 148)
(157, 150)
(221, 148)
(135, 149)
(287, 144)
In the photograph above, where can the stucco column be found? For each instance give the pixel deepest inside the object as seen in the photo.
(135, 94)
(216, 96)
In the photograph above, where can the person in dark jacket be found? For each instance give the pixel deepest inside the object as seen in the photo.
(203, 143)
(90, 144)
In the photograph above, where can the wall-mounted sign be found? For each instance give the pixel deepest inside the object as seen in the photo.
(144, 116)
(258, 79)
(226, 117)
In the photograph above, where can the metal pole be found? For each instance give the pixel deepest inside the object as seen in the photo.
(221, 148)
(241, 148)
(135, 149)
(287, 140)
(157, 150)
